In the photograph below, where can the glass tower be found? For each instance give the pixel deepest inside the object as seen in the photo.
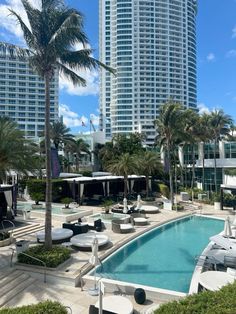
(152, 46)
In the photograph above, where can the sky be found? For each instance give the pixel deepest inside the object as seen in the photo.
(216, 60)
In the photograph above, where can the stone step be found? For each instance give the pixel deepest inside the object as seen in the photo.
(31, 229)
(17, 288)
(11, 276)
(5, 272)
(11, 284)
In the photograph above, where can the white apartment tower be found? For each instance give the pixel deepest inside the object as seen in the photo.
(152, 46)
(22, 95)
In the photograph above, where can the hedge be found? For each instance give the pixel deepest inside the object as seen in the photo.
(46, 307)
(164, 190)
(206, 302)
(52, 258)
(60, 188)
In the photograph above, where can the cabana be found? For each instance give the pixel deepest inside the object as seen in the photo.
(229, 188)
(7, 201)
(99, 187)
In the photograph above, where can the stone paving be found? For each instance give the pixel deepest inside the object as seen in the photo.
(73, 297)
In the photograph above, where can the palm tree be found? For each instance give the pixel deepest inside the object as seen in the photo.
(219, 124)
(80, 147)
(51, 36)
(60, 134)
(169, 127)
(124, 165)
(149, 164)
(16, 153)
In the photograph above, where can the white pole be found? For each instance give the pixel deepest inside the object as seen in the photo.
(101, 292)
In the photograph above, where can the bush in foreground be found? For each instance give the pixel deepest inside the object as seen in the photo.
(46, 307)
(206, 302)
(54, 257)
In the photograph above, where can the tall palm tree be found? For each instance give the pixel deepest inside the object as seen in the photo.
(124, 165)
(169, 127)
(51, 36)
(149, 164)
(60, 134)
(16, 153)
(219, 123)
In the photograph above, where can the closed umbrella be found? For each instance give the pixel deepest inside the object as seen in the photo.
(138, 202)
(227, 228)
(125, 204)
(94, 260)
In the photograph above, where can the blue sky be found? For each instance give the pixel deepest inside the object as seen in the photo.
(216, 59)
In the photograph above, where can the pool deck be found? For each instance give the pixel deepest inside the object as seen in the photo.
(73, 297)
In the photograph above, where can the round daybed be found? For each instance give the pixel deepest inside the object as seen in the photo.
(149, 209)
(140, 221)
(58, 235)
(85, 240)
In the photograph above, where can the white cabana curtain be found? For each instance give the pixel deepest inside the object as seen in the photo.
(8, 196)
(104, 187)
(132, 185)
(81, 190)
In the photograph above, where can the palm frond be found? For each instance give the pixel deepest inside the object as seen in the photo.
(71, 75)
(81, 59)
(15, 51)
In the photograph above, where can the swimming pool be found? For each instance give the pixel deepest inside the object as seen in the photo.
(164, 257)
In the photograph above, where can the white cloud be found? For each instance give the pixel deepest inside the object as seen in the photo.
(234, 32)
(231, 53)
(91, 88)
(211, 57)
(203, 108)
(70, 118)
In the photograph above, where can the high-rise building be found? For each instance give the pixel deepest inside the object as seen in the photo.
(22, 95)
(152, 46)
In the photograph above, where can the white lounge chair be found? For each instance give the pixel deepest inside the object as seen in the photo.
(225, 243)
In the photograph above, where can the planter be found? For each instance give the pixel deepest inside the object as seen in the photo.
(65, 210)
(7, 241)
(37, 206)
(217, 205)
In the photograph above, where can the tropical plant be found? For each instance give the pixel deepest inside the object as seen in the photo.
(16, 152)
(219, 124)
(51, 34)
(66, 201)
(60, 135)
(106, 205)
(169, 130)
(149, 164)
(37, 197)
(80, 148)
(124, 165)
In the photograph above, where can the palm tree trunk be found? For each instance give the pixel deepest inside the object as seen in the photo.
(170, 174)
(193, 168)
(203, 168)
(147, 185)
(215, 142)
(48, 214)
(125, 186)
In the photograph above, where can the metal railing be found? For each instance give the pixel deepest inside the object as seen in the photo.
(34, 258)
(5, 229)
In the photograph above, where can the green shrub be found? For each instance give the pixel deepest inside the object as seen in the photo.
(86, 173)
(229, 200)
(206, 302)
(66, 201)
(4, 235)
(164, 190)
(59, 188)
(46, 307)
(37, 197)
(54, 257)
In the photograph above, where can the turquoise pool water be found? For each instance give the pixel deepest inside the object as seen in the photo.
(55, 209)
(165, 257)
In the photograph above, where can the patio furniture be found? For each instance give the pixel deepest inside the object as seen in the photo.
(116, 304)
(138, 219)
(215, 280)
(96, 225)
(58, 235)
(225, 243)
(77, 228)
(86, 240)
(149, 209)
(118, 226)
(94, 310)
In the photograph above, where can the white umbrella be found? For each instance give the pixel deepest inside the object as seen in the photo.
(125, 203)
(138, 202)
(227, 228)
(94, 260)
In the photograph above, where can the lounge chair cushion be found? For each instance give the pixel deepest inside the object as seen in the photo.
(126, 227)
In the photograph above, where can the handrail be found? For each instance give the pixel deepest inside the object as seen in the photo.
(80, 275)
(68, 307)
(39, 260)
(3, 227)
